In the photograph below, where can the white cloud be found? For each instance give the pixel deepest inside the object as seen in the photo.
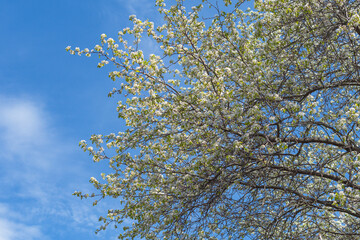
(39, 172)
(138, 7)
(11, 229)
(35, 161)
(21, 118)
(25, 149)
(23, 124)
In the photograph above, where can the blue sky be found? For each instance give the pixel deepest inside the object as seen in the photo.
(49, 101)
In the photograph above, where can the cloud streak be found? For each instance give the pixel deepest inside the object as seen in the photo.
(38, 173)
(22, 123)
(11, 229)
(138, 7)
(25, 149)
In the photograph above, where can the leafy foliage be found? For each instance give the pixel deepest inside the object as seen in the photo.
(245, 126)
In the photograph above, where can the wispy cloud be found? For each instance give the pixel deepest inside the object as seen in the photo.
(11, 229)
(38, 173)
(26, 149)
(22, 123)
(138, 7)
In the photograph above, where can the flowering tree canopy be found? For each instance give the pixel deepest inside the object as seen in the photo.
(244, 125)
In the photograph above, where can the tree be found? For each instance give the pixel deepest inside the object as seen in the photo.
(245, 126)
